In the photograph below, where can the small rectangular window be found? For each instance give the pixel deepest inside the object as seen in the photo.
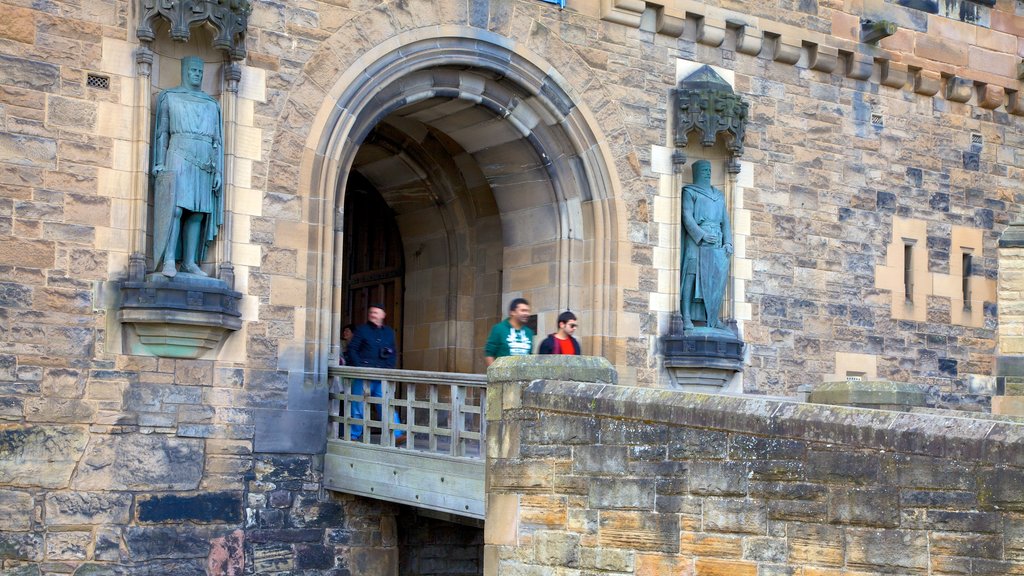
(908, 272)
(968, 262)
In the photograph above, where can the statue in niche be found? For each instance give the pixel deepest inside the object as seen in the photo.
(707, 245)
(188, 163)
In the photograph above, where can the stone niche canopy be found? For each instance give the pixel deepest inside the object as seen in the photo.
(229, 18)
(704, 101)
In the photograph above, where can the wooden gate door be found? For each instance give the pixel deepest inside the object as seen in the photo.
(374, 260)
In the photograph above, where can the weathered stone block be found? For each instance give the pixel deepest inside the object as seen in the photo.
(864, 506)
(150, 543)
(21, 546)
(858, 468)
(41, 456)
(718, 478)
(621, 493)
(900, 551)
(136, 462)
(200, 508)
(557, 548)
(640, 531)
(28, 150)
(599, 459)
(18, 510)
(71, 545)
(730, 515)
(85, 508)
(31, 74)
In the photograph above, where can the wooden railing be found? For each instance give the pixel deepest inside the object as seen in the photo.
(438, 412)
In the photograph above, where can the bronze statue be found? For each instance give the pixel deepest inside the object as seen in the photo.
(188, 162)
(707, 244)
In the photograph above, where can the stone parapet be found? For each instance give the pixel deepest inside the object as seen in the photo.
(643, 481)
(919, 45)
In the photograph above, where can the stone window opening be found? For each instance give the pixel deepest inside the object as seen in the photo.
(908, 271)
(968, 260)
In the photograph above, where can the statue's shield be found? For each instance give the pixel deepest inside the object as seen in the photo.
(714, 273)
(163, 213)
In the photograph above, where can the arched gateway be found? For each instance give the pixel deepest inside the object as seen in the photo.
(498, 183)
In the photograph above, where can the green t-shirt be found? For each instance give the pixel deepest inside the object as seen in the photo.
(505, 340)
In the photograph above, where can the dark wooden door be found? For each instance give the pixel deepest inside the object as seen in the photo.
(374, 260)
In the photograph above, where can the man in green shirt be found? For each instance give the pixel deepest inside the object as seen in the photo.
(511, 336)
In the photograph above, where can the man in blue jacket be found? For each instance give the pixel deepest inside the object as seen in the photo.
(372, 345)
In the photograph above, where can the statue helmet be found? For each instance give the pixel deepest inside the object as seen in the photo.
(698, 165)
(186, 61)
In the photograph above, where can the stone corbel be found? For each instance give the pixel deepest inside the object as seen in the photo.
(748, 38)
(710, 31)
(625, 12)
(859, 66)
(927, 82)
(990, 96)
(894, 74)
(786, 50)
(822, 58)
(1015, 103)
(959, 89)
(670, 24)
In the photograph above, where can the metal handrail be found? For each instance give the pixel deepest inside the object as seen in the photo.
(438, 412)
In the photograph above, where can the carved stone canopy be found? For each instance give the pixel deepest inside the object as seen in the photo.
(704, 101)
(229, 19)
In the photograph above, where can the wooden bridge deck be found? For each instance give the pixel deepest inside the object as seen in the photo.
(440, 464)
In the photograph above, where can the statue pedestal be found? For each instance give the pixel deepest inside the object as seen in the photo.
(181, 317)
(701, 359)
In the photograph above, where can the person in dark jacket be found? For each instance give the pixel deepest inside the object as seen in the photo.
(372, 346)
(562, 342)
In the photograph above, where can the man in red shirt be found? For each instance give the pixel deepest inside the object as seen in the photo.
(562, 342)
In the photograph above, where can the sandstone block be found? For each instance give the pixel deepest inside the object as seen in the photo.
(42, 456)
(622, 493)
(72, 545)
(71, 113)
(28, 150)
(865, 507)
(136, 462)
(18, 510)
(714, 567)
(895, 551)
(30, 74)
(85, 508)
(27, 253)
(730, 515)
(21, 546)
(641, 531)
(557, 548)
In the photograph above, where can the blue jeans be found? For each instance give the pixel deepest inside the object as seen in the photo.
(356, 411)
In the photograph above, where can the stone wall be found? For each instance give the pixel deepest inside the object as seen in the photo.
(620, 480)
(120, 462)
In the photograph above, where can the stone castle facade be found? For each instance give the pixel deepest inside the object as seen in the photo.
(522, 150)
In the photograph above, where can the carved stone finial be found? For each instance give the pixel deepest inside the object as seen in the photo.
(706, 102)
(229, 19)
(232, 76)
(144, 61)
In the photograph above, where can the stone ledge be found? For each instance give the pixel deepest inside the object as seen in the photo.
(962, 437)
(553, 367)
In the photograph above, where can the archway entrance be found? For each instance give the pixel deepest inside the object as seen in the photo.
(498, 187)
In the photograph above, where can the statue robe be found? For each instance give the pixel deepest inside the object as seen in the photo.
(704, 211)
